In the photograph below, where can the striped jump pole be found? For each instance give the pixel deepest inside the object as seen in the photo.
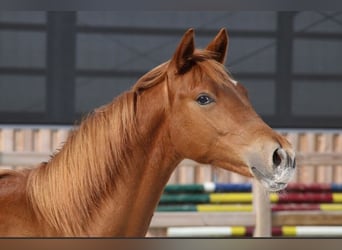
(248, 198)
(208, 187)
(212, 187)
(247, 207)
(245, 197)
(239, 231)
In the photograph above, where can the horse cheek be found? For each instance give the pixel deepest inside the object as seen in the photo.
(189, 142)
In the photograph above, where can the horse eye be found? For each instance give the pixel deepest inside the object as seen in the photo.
(204, 100)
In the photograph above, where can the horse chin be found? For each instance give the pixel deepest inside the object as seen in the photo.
(273, 186)
(272, 183)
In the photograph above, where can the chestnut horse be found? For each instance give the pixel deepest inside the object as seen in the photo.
(108, 177)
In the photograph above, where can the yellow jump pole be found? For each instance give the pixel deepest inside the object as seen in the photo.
(262, 211)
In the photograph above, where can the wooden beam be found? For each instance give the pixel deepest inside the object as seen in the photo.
(23, 158)
(179, 219)
(319, 158)
(262, 210)
(317, 218)
(314, 158)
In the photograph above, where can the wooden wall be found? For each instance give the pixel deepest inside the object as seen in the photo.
(319, 154)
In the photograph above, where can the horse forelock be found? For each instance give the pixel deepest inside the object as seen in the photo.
(201, 64)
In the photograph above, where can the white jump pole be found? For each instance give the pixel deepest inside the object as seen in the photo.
(262, 210)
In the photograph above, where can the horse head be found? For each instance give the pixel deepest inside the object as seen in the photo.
(212, 120)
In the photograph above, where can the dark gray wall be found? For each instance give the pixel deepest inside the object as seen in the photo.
(56, 66)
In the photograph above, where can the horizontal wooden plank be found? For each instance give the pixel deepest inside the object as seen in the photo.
(23, 158)
(318, 218)
(289, 218)
(29, 157)
(319, 158)
(179, 219)
(315, 158)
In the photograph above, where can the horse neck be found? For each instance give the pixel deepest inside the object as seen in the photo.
(101, 190)
(129, 211)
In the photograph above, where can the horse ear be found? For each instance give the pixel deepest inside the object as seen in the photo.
(219, 45)
(182, 56)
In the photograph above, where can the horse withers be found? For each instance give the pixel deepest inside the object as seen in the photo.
(109, 175)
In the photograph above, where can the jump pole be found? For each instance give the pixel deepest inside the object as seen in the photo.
(262, 211)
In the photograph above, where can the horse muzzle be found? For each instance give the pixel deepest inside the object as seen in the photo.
(275, 173)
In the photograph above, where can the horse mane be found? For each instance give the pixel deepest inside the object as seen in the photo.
(67, 189)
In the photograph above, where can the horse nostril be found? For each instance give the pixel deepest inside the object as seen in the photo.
(276, 157)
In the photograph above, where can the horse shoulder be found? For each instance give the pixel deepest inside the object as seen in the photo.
(14, 210)
(12, 182)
